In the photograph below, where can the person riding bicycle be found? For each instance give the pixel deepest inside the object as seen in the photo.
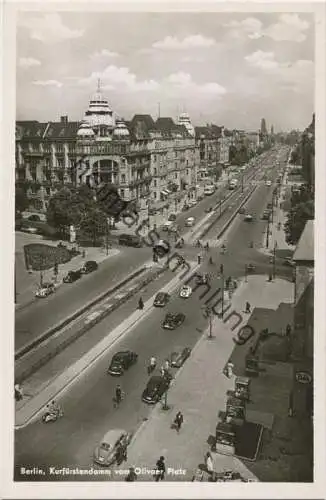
(53, 407)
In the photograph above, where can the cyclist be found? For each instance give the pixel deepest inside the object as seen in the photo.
(118, 394)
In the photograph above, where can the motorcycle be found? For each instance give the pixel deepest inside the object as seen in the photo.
(52, 416)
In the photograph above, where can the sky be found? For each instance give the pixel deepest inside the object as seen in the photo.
(226, 68)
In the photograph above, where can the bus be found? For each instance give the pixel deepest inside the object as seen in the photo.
(209, 189)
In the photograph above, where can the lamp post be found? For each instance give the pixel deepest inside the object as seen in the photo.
(242, 184)
(274, 260)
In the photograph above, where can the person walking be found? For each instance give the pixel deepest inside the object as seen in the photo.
(178, 421)
(288, 330)
(248, 308)
(118, 396)
(209, 464)
(160, 469)
(199, 258)
(18, 392)
(140, 303)
(131, 476)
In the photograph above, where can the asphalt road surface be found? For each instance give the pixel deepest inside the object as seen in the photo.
(41, 315)
(88, 405)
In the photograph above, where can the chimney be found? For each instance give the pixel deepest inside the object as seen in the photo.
(64, 119)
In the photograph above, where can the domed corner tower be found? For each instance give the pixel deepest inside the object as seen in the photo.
(100, 116)
(121, 132)
(85, 132)
(184, 119)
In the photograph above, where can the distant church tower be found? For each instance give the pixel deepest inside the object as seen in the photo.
(263, 128)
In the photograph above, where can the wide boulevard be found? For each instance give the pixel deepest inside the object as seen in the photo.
(88, 408)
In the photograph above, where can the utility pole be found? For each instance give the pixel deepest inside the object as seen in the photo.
(242, 184)
(267, 233)
(274, 260)
(107, 237)
(220, 207)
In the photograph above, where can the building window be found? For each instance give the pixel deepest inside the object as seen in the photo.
(155, 183)
(122, 193)
(155, 195)
(123, 178)
(175, 176)
(155, 171)
(154, 158)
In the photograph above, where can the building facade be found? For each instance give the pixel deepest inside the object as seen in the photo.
(148, 161)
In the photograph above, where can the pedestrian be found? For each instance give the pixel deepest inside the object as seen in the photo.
(207, 246)
(229, 369)
(178, 421)
(199, 258)
(167, 365)
(131, 476)
(209, 464)
(162, 371)
(248, 308)
(288, 330)
(140, 303)
(160, 469)
(121, 454)
(118, 396)
(228, 282)
(18, 392)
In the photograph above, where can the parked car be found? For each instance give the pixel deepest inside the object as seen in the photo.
(248, 218)
(174, 228)
(29, 229)
(268, 183)
(45, 290)
(121, 361)
(242, 210)
(266, 214)
(156, 387)
(201, 279)
(72, 276)
(161, 299)
(172, 217)
(89, 267)
(173, 320)
(185, 207)
(130, 240)
(192, 203)
(178, 358)
(190, 222)
(185, 292)
(162, 248)
(105, 452)
(208, 210)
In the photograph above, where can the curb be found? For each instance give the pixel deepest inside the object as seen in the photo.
(88, 360)
(44, 336)
(229, 222)
(85, 328)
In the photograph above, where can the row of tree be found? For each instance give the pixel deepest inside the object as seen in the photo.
(302, 199)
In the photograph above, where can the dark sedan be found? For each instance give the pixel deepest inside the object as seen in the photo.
(72, 276)
(155, 389)
(178, 358)
(89, 267)
(161, 299)
(173, 320)
(121, 361)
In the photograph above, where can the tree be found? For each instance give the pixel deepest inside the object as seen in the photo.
(94, 224)
(61, 212)
(21, 200)
(296, 220)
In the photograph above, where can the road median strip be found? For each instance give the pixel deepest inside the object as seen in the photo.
(94, 318)
(59, 326)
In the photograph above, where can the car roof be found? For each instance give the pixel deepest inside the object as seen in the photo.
(121, 353)
(112, 436)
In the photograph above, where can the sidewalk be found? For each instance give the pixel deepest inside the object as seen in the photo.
(199, 392)
(27, 283)
(277, 236)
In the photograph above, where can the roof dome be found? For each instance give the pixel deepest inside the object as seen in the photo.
(184, 119)
(121, 130)
(85, 130)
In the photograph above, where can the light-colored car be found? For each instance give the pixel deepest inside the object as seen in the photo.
(190, 222)
(105, 452)
(45, 290)
(192, 203)
(185, 292)
(167, 225)
(268, 183)
(248, 218)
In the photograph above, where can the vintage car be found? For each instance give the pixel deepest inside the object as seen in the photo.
(105, 453)
(156, 387)
(121, 361)
(185, 292)
(173, 320)
(45, 290)
(179, 357)
(72, 276)
(161, 299)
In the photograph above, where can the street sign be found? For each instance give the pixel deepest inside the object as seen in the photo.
(303, 377)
